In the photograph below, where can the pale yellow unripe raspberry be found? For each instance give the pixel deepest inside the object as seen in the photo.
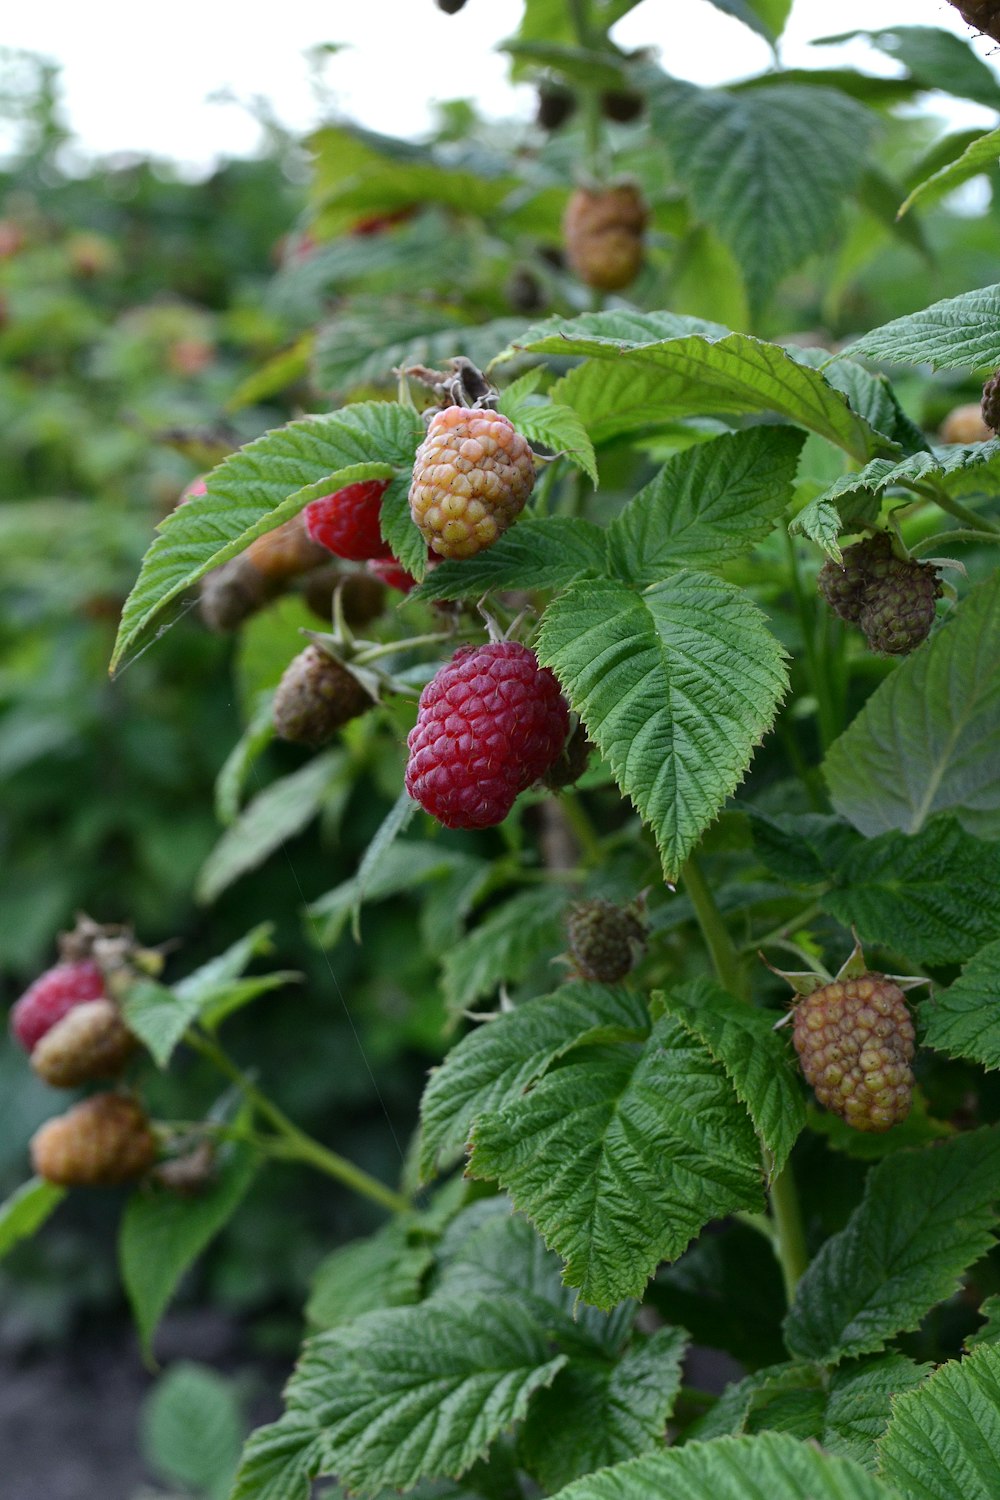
(472, 475)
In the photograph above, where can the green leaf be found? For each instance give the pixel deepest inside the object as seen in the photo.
(488, 1251)
(944, 1437)
(267, 482)
(558, 428)
(964, 1019)
(499, 1059)
(980, 156)
(279, 1461)
(192, 1429)
(160, 1016)
(418, 1392)
(754, 1056)
(706, 505)
(240, 761)
(928, 738)
(675, 685)
(714, 371)
(989, 1331)
(620, 1155)
(385, 1270)
(934, 895)
(404, 867)
(766, 17)
(26, 1210)
(540, 552)
(935, 59)
(859, 1401)
(593, 1416)
(957, 333)
(925, 1217)
(277, 813)
(767, 169)
(504, 947)
(395, 822)
(161, 1235)
(774, 1465)
(370, 338)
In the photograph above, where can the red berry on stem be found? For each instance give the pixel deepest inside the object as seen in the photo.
(51, 997)
(388, 571)
(346, 523)
(489, 725)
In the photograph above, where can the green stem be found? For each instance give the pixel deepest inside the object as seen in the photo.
(583, 829)
(789, 1238)
(828, 725)
(954, 508)
(295, 1144)
(957, 534)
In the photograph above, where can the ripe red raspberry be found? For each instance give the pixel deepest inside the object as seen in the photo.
(101, 1142)
(854, 1038)
(91, 1041)
(605, 940)
(392, 574)
(489, 725)
(51, 996)
(472, 475)
(346, 522)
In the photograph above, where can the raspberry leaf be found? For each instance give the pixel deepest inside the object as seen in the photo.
(925, 1217)
(706, 505)
(754, 1055)
(453, 880)
(497, 1061)
(555, 427)
(503, 948)
(774, 1464)
(620, 1155)
(766, 17)
(928, 739)
(964, 1019)
(385, 1270)
(370, 338)
(712, 370)
(26, 1210)
(944, 1437)
(676, 686)
(768, 169)
(161, 1235)
(934, 895)
(540, 552)
(594, 1415)
(957, 333)
(402, 1394)
(979, 155)
(255, 489)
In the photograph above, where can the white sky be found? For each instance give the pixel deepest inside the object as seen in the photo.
(138, 78)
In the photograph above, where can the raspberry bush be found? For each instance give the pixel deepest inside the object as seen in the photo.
(684, 687)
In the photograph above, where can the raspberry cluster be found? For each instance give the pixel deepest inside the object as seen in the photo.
(472, 475)
(489, 725)
(855, 1041)
(891, 598)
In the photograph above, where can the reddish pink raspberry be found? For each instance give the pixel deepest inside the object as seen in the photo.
(388, 571)
(51, 996)
(346, 523)
(489, 725)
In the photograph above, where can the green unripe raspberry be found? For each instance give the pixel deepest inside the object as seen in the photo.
(605, 940)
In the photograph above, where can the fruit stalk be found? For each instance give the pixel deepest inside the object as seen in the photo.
(789, 1237)
(293, 1143)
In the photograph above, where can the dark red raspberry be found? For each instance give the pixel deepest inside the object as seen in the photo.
(990, 407)
(346, 522)
(388, 571)
(489, 725)
(51, 996)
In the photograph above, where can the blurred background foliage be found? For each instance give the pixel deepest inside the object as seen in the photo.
(150, 323)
